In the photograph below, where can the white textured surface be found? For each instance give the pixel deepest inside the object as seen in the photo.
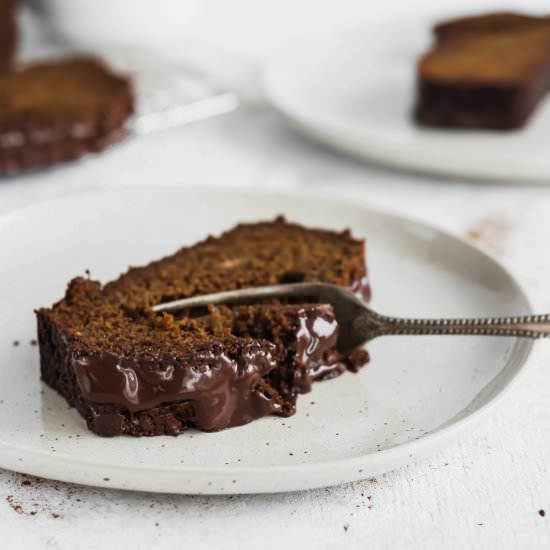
(484, 492)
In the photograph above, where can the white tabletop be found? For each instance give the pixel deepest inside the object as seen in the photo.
(484, 492)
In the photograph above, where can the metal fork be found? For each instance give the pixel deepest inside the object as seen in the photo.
(358, 323)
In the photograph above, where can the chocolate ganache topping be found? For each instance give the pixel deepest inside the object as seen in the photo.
(362, 288)
(223, 391)
(316, 342)
(220, 388)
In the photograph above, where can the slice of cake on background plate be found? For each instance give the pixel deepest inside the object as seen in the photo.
(486, 72)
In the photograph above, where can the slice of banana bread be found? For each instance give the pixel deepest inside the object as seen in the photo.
(489, 72)
(56, 111)
(129, 370)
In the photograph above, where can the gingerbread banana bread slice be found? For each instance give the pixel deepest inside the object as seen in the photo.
(129, 370)
(487, 72)
(57, 111)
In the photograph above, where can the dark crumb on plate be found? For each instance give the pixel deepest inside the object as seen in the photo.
(106, 479)
(15, 343)
(34, 342)
(542, 513)
(13, 505)
(55, 516)
(346, 526)
(26, 482)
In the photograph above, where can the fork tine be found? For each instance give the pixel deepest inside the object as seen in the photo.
(313, 290)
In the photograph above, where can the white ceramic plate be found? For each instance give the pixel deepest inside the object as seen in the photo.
(355, 91)
(417, 394)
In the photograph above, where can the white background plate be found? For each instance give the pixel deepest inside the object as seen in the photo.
(416, 394)
(355, 91)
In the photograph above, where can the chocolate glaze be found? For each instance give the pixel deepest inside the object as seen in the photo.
(316, 342)
(222, 391)
(362, 289)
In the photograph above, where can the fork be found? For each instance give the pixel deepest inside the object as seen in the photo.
(359, 324)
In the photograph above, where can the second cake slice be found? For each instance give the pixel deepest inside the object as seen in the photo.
(489, 71)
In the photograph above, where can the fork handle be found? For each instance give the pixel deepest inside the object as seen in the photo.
(528, 326)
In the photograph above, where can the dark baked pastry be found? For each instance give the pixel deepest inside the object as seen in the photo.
(58, 111)
(8, 33)
(488, 72)
(129, 370)
(490, 23)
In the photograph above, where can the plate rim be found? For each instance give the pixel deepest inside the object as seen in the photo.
(522, 355)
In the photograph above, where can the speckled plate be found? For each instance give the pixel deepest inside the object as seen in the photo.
(416, 395)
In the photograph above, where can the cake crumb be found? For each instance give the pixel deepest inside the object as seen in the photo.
(15, 343)
(346, 526)
(34, 342)
(542, 513)
(14, 505)
(55, 515)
